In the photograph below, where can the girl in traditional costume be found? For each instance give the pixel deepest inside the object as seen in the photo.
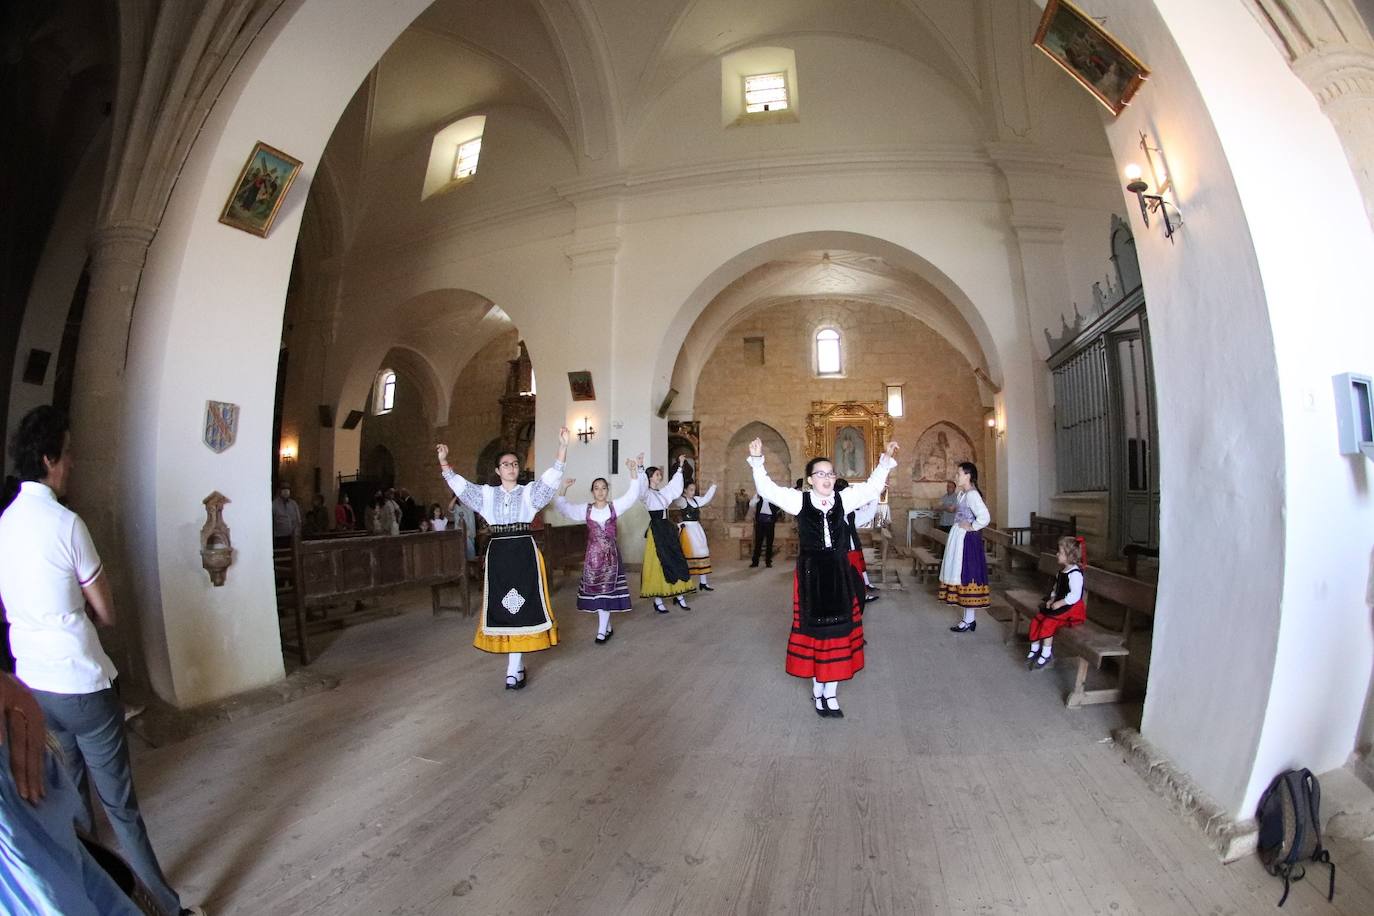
(827, 639)
(665, 573)
(693, 537)
(517, 615)
(1066, 605)
(603, 589)
(964, 569)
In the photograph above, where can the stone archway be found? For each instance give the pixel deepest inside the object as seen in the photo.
(736, 475)
(1248, 287)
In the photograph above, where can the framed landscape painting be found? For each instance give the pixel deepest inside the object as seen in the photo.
(261, 187)
(1085, 50)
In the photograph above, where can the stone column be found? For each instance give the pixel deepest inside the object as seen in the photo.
(118, 253)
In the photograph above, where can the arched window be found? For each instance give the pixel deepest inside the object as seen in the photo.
(384, 398)
(828, 352)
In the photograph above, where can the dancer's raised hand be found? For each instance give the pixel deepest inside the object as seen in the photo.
(891, 450)
(567, 484)
(756, 448)
(442, 451)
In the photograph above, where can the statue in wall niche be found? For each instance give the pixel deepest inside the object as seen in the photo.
(216, 551)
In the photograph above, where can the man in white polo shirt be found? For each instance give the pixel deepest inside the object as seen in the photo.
(49, 574)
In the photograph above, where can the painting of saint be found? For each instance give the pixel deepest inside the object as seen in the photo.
(938, 452)
(851, 459)
(260, 190)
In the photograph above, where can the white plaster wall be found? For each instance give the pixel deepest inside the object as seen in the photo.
(891, 98)
(1261, 655)
(1313, 262)
(207, 327)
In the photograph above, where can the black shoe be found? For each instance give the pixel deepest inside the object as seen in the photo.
(754, 565)
(820, 708)
(769, 565)
(517, 681)
(962, 627)
(1041, 661)
(603, 638)
(706, 588)
(662, 609)
(682, 603)
(872, 596)
(835, 712)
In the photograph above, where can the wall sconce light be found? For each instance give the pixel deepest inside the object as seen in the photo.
(586, 433)
(997, 430)
(288, 454)
(1153, 203)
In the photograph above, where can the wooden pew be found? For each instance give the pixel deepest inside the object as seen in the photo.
(1040, 536)
(316, 574)
(999, 547)
(564, 546)
(1090, 642)
(925, 559)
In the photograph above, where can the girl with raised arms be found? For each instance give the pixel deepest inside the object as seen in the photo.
(695, 547)
(517, 615)
(827, 639)
(603, 589)
(665, 573)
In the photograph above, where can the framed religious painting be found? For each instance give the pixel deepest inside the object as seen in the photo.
(852, 433)
(580, 384)
(1097, 61)
(261, 187)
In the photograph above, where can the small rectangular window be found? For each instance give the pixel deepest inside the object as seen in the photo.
(389, 392)
(895, 405)
(828, 352)
(753, 351)
(466, 162)
(765, 92)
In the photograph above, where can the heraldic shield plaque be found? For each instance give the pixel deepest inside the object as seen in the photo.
(221, 425)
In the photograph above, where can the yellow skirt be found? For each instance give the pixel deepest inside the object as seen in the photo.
(652, 583)
(531, 642)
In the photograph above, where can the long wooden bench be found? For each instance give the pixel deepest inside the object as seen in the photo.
(564, 546)
(1040, 536)
(317, 574)
(1089, 642)
(925, 560)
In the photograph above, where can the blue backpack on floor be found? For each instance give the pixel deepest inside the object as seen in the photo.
(1290, 829)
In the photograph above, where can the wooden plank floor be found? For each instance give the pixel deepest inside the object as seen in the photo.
(678, 769)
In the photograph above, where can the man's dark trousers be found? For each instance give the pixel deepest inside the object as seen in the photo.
(763, 531)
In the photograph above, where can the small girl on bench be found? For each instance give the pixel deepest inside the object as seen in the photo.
(1065, 606)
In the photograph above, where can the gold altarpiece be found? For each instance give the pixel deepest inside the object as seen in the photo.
(852, 433)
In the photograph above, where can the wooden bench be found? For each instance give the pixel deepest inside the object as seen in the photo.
(317, 574)
(564, 546)
(999, 546)
(925, 560)
(1089, 642)
(1040, 536)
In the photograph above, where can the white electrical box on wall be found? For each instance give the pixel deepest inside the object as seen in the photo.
(1355, 414)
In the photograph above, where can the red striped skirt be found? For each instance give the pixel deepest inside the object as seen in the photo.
(837, 659)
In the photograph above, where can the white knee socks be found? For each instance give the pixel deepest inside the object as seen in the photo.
(702, 580)
(513, 664)
(968, 615)
(603, 623)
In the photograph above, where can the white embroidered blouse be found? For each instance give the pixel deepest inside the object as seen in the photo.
(500, 506)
